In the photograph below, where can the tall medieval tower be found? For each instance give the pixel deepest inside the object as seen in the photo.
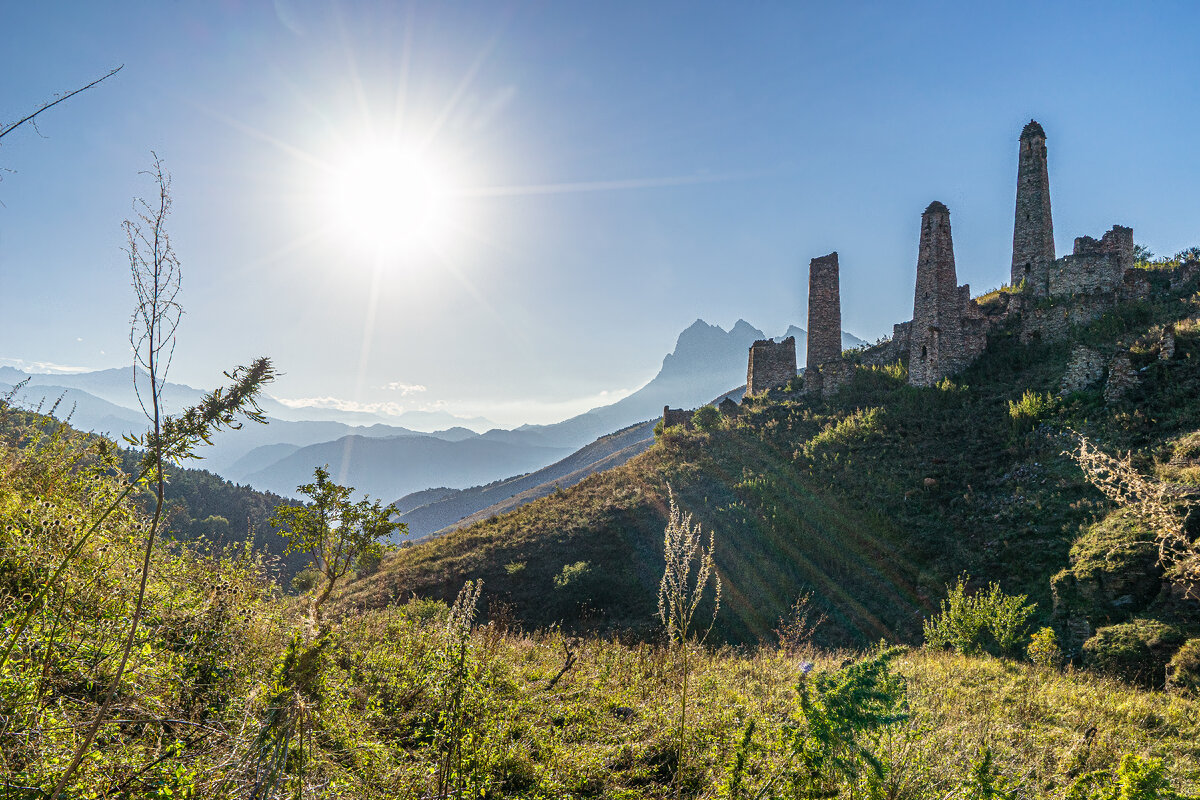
(936, 343)
(1033, 231)
(824, 312)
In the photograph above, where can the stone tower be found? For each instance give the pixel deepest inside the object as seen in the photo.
(824, 312)
(1033, 230)
(936, 345)
(771, 364)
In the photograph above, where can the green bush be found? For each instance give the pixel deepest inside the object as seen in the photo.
(305, 581)
(1136, 779)
(1114, 570)
(572, 574)
(1043, 649)
(993, 623)
(1135, 651)
(1025, 413)
(1183, 670)
(706, 418)
(835, 741)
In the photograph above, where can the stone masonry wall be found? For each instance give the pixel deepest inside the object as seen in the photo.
(1085, 368)
(1033, 228)
(1095, 265)
(948, 329)
(824, 311)
(771, 365)
(676, 416)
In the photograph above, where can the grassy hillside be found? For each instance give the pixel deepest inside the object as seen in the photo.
(873, 501)
(231, 691)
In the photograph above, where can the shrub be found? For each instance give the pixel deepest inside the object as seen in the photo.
(1135, 651)
(842, 714)
(1114, 570)
(992, 623)
(706, 418)
(1025, 413)
(1136, 779)
(305, 581)
(1043, 649)
(1183, 670)
(572, 574)
(370, 558)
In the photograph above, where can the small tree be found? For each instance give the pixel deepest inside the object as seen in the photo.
(333, 531)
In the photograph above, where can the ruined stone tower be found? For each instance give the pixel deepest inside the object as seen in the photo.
(947, 328)
(824, 312)
(771, 364)
(1033, 230)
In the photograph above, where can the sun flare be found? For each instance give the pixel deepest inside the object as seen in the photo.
(395, 201)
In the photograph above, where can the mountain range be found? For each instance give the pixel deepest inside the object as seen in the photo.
(390, 460)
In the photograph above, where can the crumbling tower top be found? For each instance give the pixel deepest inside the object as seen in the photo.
(1032, 129)
(1033, 228)
(824, 311)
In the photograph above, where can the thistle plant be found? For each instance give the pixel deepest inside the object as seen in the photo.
(688, 570)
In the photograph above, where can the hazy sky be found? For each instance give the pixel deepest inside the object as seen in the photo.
(601, 175)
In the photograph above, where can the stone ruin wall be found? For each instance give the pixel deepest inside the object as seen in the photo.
(948, 329)
(771, 364)
(676, 416)
(824, 312)
(1095, 266)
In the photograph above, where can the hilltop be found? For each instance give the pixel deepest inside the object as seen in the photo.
(873, 498)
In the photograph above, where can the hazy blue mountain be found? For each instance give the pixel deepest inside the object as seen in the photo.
(86, 411)
(104, 401)
(388, 467)
(707, 362)
(436, 509)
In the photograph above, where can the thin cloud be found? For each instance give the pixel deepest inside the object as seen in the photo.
(42, 367)
(405, 389)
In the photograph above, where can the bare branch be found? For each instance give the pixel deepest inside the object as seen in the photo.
(1154, 502)
(53, 103)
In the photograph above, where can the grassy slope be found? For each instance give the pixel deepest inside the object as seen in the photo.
(873, 501)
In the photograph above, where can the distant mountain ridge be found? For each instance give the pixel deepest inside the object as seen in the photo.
(706, 363)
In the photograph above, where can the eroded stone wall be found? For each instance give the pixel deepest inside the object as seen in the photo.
(1095, 266)
(824, 312)
(676, 416)
(1085, 369)
(771, 364)
(948, 328)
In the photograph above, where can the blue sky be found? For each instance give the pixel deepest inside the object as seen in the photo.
(619, 170)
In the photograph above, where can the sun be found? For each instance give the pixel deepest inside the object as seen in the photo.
(394, 201)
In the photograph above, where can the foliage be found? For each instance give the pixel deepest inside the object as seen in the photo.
(842, 715)
(306, 580)
(1024, 414)
(1043, 649)
(1156, 503)
(572, 573)
(796, 630)
(1135, 779)
(991, 622)
(332, 530)
(1136, 651)
(1183, 670)
(679, 597)
(680, 592)
(706, 418)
